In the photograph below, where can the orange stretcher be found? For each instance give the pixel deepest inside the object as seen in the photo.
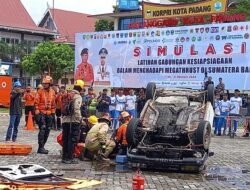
(15, 149)
(78, 149)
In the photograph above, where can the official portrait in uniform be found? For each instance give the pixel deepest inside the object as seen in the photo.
(103, 72)
(84, 70)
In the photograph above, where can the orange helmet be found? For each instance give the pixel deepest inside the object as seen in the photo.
(125, 114)
(47, 80)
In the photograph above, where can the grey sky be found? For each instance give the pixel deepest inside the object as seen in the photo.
(37, 8)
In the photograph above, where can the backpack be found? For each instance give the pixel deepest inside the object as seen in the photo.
(68, 104)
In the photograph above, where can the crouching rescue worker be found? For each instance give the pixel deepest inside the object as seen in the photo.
(44, 108)
(71, 112)
(121, 133)
(86, 125)
(97, 143)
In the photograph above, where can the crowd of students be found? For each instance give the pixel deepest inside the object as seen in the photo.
(227, 114)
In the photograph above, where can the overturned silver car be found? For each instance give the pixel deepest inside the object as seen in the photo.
(173, 131)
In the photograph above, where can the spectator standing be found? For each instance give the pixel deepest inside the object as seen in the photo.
(92, 101)
(141, 100)
(130, 103)
(247, 124)
(219, 89)
(103, 103)
(208, 82)
(225, 108)
(71, 124)
(112, 106)
(29, 98)
(236, 104)
(84, 106)
(217, 112)
(120, 106)
(15, 112)
(58, 100)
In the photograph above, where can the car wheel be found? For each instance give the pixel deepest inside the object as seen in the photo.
(150, 90)
(134, 134)
(210, 94)
(203, 135)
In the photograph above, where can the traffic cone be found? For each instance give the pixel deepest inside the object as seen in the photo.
(30, 126)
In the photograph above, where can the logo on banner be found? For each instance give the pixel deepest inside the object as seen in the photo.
(4, 84)
(214, 29)
(218, 6)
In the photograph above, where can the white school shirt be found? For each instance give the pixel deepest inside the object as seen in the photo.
(236, 103)
(112, 105)
(225, 105)
(130, 100)
(217, 107)
(120, 102)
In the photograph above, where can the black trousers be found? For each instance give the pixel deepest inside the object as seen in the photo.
(27, 109)
(58, 118)
(44, 122)
(70, 139)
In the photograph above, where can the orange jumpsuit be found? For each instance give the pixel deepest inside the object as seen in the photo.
(44, 108)
(121, 134)
(85, 72)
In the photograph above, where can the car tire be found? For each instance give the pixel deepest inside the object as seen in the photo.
(150, 90)
(132, 136)
(210, 94)
(203, 135)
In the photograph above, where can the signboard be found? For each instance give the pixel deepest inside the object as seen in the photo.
(171, 57)
(158, 11)
(128, 5)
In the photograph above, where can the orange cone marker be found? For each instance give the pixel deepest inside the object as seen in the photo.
(30, 125)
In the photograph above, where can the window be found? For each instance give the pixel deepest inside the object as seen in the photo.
(16, 41)
(7, 40)
(12, 41)
(64, 81)
(124, 22)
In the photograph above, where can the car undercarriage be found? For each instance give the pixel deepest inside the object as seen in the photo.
(173, 132)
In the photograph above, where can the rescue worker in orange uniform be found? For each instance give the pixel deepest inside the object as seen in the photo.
(29, 98)
(44, 109)
(59, 107)
(84, 71)
(121, 133)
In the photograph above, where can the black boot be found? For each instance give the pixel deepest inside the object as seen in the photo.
(42, 150)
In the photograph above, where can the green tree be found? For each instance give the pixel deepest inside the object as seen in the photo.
(242, 6)
(104, 25)
(51, 57)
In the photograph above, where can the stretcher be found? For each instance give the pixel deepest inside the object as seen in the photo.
(15, 149)
(78, 149)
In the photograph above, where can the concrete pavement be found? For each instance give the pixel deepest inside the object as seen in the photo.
(229, 168)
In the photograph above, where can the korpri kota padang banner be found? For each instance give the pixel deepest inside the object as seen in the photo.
(171, 57)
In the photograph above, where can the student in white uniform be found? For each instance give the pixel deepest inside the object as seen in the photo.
(120, 106)
(225, 108)
(112, 106)
(103, 73)
(217, 114)
(130, 103)
(236, 104)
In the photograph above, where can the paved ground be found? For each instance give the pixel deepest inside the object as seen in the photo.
(229, 168)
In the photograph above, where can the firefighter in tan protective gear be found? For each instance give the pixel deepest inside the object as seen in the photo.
(44, 109)
(97, 142)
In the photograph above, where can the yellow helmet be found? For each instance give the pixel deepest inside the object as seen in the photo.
(79, 83)
(93, 119)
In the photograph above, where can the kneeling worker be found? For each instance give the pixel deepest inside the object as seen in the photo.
(86, 125)
(97, 142)
(121, 133)
(71, 122)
